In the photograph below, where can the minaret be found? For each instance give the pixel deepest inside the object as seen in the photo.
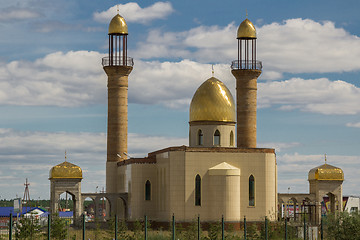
(246, 70)
(117, 66)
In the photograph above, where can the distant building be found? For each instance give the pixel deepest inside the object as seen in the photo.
(325, 184)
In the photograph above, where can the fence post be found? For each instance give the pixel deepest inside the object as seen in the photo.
(83, 226)
(10, 226)
(285, 229)
(266, 228)
(145, 230)
(245, 227)
(173, 227)
(198, 230)
(304, 227)
(222, 228)
(49, 226)
(322, 229)
(116, 226)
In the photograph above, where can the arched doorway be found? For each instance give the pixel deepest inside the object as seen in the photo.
(89, 209)
(66, 206)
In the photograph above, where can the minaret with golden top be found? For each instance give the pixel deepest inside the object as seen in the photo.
(246, 69)
(117, 66)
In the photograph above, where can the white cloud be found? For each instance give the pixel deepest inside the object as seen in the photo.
(77, 79)
(216, 44)
(132, 12)
(355, 125)
(303, 45)
(59, 79)
(295, 46)
(17, 14)
(312, 95)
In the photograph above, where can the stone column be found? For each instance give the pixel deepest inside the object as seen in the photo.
(246, 95)
(117, 132)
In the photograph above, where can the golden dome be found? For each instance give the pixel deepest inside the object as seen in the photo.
(246, 30)
(118, 25)
(212, 101)
(65, 170)
(326, 172)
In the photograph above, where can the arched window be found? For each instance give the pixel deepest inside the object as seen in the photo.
(200, 137)
(251, 191)
(217, 137)
(231, 138)
(198, 190)
(147, 190)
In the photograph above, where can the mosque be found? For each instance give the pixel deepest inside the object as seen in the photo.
(216, 175)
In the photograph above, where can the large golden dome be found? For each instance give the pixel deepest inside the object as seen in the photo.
(246, 30)
(212, 101)
(326, 172)
(65, 170)
(118, 25)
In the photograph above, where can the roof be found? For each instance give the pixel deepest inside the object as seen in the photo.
(118, 25)
(6, 211)
(65, 170)
(212, 101)
(224, 169)
(326, 172)
(246, 30)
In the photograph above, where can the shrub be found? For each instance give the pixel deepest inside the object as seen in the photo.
(343, 226)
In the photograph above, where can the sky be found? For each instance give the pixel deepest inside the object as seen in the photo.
(53, 94)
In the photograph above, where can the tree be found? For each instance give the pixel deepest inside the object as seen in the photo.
(28, 228)
(58, 227)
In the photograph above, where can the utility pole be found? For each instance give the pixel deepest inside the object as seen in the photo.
(26, 197)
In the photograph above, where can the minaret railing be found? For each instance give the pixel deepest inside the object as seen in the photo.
(246, 65)
(117, 61)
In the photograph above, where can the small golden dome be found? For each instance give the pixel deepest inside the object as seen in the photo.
(65, 170)
(212, 101)
(118, 25)
(326, 172)
(246, 30)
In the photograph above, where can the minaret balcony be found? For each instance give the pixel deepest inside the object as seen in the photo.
(117, 61)
(246, 65)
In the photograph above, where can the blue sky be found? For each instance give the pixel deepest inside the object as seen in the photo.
(53, 88)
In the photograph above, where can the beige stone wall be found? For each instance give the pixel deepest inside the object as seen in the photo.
(208, 131)
(138, 206)
(261, 165)
(173, 186)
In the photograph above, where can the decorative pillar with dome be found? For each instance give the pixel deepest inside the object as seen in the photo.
(117, 66)
(326, 180)
(212, 116)
(246, 69)
(66, 177)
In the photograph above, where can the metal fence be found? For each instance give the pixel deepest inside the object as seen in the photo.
(115, 228)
